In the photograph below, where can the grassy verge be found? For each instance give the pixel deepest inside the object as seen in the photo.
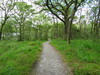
(83, 55)
(17, 58)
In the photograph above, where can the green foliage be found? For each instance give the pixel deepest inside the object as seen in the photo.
(8, 29)
(17, 58)
(82, 55)
(22, 6)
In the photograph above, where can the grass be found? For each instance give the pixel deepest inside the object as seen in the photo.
(17, 58)
(83, 55)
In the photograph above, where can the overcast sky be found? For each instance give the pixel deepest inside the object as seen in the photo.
(83, 12)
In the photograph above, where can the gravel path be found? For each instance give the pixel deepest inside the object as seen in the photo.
(50, 63)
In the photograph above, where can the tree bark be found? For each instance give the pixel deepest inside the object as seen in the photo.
(70, 26)
(65, 30)
(20, 31)
(2, 26)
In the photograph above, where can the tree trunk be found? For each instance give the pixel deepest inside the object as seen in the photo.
(2, 25)
(0, 35)
(91, 32)
(68, 35)
(20, 31)
(98, 23)
(2, 30)
(65, 24)
(67, 31)
(70, 27)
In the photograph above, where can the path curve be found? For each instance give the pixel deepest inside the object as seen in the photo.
(50, 62)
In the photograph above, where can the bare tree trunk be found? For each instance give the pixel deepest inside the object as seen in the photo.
(20, 31)
(57, 36)
(98, 23)
(69, 34)
(2, 26)
(91, 32)
(70, 26)
(1, 32)
(0, 35)
(65, 29)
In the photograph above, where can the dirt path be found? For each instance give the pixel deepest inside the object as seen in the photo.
(50, 63)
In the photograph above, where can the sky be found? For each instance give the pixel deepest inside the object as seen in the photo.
(83, 12)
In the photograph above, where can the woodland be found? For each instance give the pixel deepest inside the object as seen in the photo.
(72, 26)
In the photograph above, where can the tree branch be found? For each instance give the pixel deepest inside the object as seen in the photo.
(54, 7)
(66, 2)
(80, 3)
(47, 4)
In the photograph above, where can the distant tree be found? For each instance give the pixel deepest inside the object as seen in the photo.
(95, 17)
(8, 30)
(6, 8)
(28, 30)
(23, 12)
(41, 27)
(96, 11)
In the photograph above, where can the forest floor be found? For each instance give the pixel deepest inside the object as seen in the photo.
(50, 63)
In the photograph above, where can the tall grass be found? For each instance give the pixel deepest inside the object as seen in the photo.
(17, 58)
(83, 55)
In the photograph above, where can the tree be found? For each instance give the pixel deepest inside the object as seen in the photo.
(96, 11)
(8, 30)
(95, 17)
(5, 7)
(63, 10)
(23, 13)
(41, 26)
(28, 30)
